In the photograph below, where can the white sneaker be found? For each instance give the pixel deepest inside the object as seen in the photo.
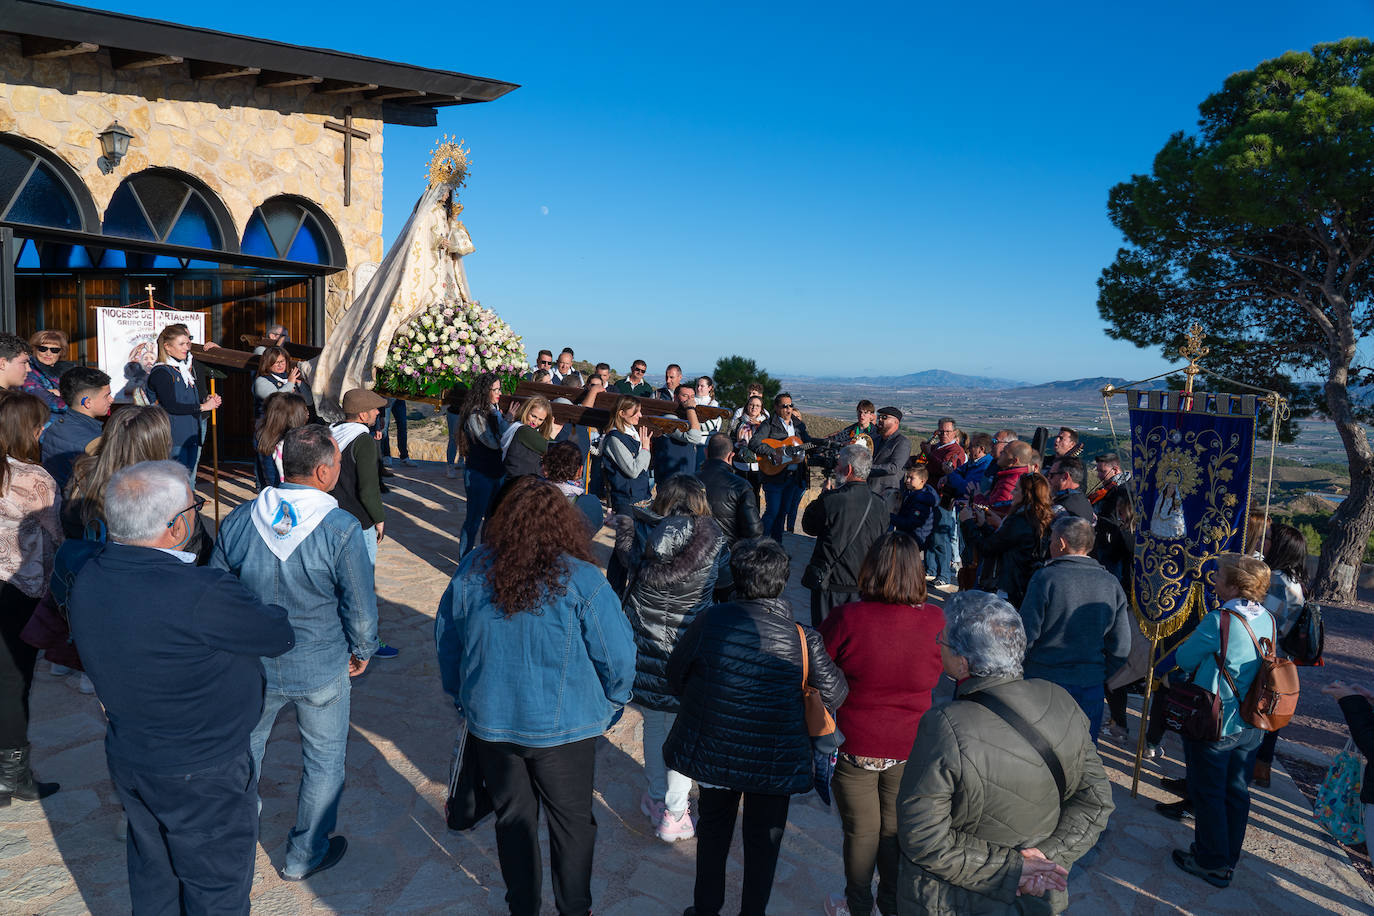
(408, 463)
(451, 472)
(59, 671)
(1152, 752)
(837, 905)
(86, 686)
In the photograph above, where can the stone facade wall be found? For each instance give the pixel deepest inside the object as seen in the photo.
(245, 142)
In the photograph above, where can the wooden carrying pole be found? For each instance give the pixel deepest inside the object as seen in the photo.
(214, 455)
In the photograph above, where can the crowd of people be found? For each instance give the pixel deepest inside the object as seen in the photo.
(976, 797)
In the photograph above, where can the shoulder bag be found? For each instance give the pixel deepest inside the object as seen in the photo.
(1305, 639)
(1338, 806)
(1191, 710)
(998, 707)
(820, 725)
(468, 801)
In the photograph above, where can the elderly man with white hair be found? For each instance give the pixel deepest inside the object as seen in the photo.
(1004, 790)
(174, 651)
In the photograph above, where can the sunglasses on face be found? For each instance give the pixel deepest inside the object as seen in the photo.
(44, 349)
(545, 362)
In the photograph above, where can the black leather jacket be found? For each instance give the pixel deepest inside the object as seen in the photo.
(673, 565)
(732, 501)
(738, 669)
(772, 428)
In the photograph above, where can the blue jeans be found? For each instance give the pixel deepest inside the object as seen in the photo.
(481, 490)
(777, 496)
(1218, 783)
(1090, 700)
(667, 786)
(322, 716)
(940, 552)
(451, 454)
(394, 407)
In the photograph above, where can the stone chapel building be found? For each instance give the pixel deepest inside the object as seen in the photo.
(250, 187)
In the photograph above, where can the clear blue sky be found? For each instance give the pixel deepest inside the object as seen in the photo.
(877, 188)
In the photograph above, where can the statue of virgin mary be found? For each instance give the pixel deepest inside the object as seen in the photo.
(424, 266)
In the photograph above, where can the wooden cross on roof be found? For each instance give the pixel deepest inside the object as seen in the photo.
(349, 132)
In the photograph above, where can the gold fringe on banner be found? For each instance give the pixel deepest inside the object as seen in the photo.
(1161, 629)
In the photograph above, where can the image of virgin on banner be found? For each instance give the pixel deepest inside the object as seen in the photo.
(1192, 493)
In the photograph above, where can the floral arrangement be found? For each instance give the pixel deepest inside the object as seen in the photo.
(446, 346)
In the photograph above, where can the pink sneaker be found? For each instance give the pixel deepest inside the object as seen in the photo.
(676, 827)
(653, 810)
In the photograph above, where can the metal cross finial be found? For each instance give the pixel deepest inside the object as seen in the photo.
(1193, 350)
(349, 132)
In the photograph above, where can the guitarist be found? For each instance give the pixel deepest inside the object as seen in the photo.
(778, 489)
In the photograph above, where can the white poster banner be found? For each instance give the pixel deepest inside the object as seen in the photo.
(126, 342)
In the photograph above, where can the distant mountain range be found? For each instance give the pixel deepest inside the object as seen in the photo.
(940, 378)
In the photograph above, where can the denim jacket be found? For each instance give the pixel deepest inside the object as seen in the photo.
(551, 676)
(326, 586)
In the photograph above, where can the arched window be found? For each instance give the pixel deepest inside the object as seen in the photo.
(290, 229)
(34, 189)
(161, 205)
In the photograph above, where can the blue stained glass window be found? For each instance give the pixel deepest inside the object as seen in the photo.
(195, 227)
(256, 240)
(308, 246)
(28, 255)
(63, 256)
(125, 218)
(162, 260)
(203, 265)
(79, 257)
(113, 258)
(45, 201)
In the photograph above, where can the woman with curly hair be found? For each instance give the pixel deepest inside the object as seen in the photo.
(1021, 543)
(527, 617)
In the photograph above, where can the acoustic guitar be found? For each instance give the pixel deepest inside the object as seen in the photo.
(773, 468)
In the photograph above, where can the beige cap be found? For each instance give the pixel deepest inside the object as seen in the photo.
(360, 399)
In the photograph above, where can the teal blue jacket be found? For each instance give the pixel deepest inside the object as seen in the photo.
(1242, 661)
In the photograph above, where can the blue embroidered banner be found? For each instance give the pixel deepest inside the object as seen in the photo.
(1192, 495)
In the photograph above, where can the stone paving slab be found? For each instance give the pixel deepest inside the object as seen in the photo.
(60, 856)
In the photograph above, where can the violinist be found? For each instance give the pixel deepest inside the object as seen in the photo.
(1109, 477)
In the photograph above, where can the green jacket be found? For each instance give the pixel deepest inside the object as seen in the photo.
(975, 793)
(642, 390)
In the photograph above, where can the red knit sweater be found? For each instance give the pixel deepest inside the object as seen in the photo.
(890, 658)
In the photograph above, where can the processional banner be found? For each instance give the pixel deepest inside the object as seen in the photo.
(126, 343)
(1191, 456)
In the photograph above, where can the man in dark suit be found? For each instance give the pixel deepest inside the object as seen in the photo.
(174, 651)
(780, 488)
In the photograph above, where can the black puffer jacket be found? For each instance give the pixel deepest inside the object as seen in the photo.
(1015, 550)
(732, 501)
(672, 566)
(738, 669)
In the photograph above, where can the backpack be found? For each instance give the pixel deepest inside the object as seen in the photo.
(1304, 640)
(1273, 695)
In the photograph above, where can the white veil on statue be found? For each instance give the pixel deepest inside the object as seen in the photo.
(424, 266)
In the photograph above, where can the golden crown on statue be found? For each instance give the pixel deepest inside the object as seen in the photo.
(448, 164)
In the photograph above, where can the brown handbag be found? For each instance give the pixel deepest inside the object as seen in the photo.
(1192, 710)
(819, 722)
(1273, 695)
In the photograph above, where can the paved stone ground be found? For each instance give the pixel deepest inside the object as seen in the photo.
(60, 856)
